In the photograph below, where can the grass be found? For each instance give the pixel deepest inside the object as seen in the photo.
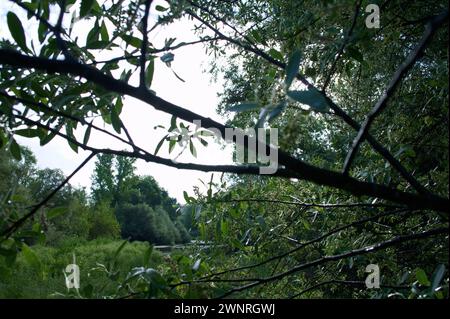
(93, 257)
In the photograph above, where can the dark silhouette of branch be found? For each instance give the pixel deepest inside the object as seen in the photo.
(357, 252)
(412, 58)
(336, 109)
(292, 167)
(212, 14)
(343, 282)
(305, 244)
(148, 157)
(144, 42)
(153, 50)
(58, 29)
(298, 203)
(344, 44)
(11, 229)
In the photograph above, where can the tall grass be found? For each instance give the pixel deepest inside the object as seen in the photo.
(24, 281)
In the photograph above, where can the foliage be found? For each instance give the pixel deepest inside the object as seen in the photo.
(362, 115)
(141, 222)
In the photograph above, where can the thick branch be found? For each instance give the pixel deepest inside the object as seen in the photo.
(293, 167)
(336, 109)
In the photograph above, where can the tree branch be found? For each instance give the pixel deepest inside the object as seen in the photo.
(336, 109)
(292, 167)
(341, 49)
(343, 282)
(396, 79)
(361, 251)
(10, 230)
(144, 43)
(297, 203)
(308, 243)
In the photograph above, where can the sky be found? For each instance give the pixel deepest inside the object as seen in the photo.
(198, 94)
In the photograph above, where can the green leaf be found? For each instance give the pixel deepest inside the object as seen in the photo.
(292, 68)
(27, 132)
(115, 120)
(85, 8)
(313, 98)
(148, 255)
(104, 32)
(422, 277)
(16, 30)
(149, 72)
(172, 144)
(355, 54)
(87, 134)
(133, 41)
(55, 212)
(243, 107)
(3, 139)
(192, 148)
(93, 34)
(47, 138)
(204, 143)
(160, 144)
(173, 123)
(160, 8)
(257, 36)
(121, 247)
(224, 228)
(69, 132)
(97, 45)
(30, 257)
(437, 277)
(14, 148)
(186, 197)
(42, 32)
(276, 54)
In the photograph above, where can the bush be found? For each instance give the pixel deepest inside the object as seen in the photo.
(141, 222)
(103, 223)
(25, 281)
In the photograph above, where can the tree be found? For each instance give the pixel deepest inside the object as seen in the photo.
(359, 111)
(142, 222)
(103, 223)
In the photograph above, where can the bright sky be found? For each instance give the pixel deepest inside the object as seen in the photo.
(197, 94)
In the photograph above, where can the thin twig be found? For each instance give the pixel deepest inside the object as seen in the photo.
(357, 252)
(144, 43)
(343, 282)
(344, 44)
(305, 244)
(10, 230)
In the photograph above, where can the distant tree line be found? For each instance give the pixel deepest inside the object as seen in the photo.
(121, 203)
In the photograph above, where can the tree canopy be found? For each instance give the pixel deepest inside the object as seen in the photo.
(362, 119)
